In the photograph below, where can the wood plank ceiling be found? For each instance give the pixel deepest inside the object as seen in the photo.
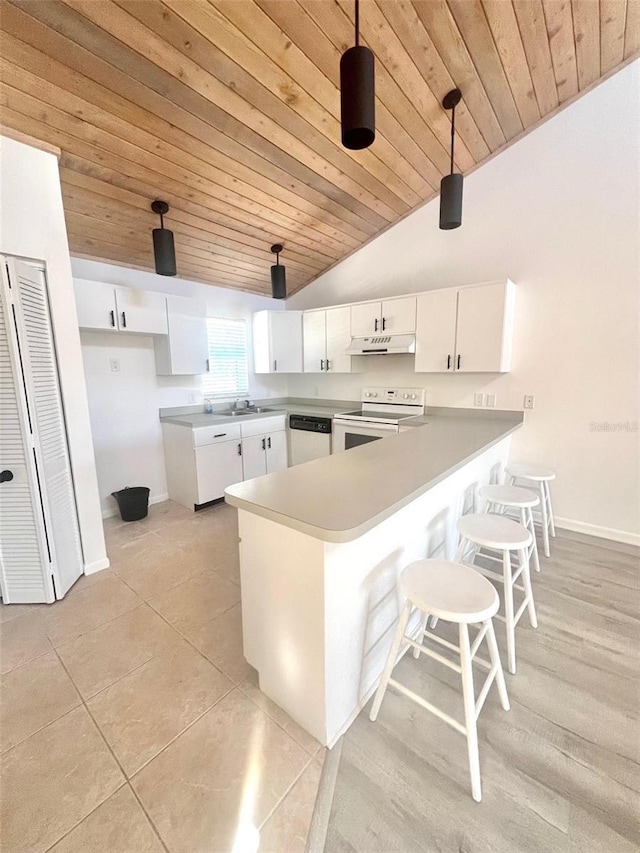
(230, 110)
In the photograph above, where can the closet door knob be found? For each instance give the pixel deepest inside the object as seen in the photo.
(6, 476)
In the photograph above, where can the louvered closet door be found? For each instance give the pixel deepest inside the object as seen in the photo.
(24, 561)
(35, 336)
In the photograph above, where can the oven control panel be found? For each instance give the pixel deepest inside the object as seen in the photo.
(408, 396)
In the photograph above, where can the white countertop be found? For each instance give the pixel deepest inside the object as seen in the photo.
(340, 497)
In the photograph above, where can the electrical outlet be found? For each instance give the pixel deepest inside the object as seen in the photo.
(529, 401)
(114, 365)
(491, 401)
(193, 397)
(478, 399)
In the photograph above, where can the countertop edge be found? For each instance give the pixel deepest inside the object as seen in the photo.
(348, 535)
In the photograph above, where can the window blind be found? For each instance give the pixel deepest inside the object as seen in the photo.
(228, 369)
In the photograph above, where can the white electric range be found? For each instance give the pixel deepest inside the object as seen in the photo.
(381, 415)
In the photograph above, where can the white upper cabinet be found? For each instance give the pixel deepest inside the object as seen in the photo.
(326, 337)
(436, 331)
(122, 309)
(366, 319)
(185, 350)
(392, 316)
(465, 330)
(277, 341)
(485, 328)
(142, 311)
(338, 332)
(314, 341)
(95, 304)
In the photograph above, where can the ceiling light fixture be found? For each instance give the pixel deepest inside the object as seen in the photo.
(357, 94)
(164, 251)
(278, 275)
(451, 185)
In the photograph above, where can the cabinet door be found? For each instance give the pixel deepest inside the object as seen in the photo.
(366, 319)
(399, 316)
(276, 451)
(141, 311)
(217, 466)
(95, 304)
(436, 331)
(185, 350)
(314, 341)
(481, 329)
(285, 339)
(338, 325)
(254, 456)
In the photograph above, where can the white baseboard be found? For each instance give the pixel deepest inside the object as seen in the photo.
(153, 499)
(596, 530)
(96, 566)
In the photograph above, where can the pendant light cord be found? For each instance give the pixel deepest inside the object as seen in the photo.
(453, 133)
(357, 23)
(161, 221)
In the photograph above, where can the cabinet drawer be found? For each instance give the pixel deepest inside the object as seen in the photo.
(263, 426)
(215, 433)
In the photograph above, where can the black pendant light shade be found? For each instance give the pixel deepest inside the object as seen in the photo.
(164, 251)
(451, 185)
(278, 275)
(357, 94)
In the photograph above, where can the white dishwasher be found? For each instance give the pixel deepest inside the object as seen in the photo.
(309, 437)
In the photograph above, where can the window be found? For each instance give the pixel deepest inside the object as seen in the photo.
(228, 373)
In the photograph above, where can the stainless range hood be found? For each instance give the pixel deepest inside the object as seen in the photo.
(382, 345)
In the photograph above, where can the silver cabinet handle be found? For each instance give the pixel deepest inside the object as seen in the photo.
(220, 435)
(322, 364)
(269, 442)
(327, 367)
(275, 365)
(240, 449)
(112, 316)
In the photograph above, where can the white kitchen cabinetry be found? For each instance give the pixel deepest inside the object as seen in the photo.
(465, 330)
(122, 309)
(217, 466)
(184, 350)
(326, 337)
(394, 316)
(314, 341)
(202, 461)
(277, 341)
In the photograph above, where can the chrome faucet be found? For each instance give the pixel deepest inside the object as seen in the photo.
(239, 405)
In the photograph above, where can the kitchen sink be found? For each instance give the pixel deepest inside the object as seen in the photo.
(239, 413)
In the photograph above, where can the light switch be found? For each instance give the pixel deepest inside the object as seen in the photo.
(478, 399)
(491, 401)
(114, 365)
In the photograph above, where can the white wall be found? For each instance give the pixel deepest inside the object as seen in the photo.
(32, 226)
(124, 406)
(558, 213)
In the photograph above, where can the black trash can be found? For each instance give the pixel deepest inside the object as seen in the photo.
(133, 503)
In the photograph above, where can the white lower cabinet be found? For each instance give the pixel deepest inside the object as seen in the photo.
(202, 461)
(217, 466)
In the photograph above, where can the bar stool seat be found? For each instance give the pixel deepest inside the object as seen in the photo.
(503, 499)
(523, 474)
(451, 591)
(457, 594)
(494, 531)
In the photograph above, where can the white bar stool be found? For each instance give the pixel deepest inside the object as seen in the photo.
(498, 533)
(540, 477)
(522, 501)
(458, 594)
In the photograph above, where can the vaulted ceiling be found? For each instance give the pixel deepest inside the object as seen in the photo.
(230, 110)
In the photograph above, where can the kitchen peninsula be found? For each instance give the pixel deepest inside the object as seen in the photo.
(322, 545)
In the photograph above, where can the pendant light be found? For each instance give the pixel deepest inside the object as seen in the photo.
(164, 251)
(451, 185)
(357, 94)
(278, 275)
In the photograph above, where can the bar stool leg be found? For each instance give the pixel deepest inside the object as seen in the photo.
(421, 633)
(391, 660)
(508, 611)
(545, 520)
(494, 656)
(552, 523)
(532, 528)
(470, 712)
(526, 580)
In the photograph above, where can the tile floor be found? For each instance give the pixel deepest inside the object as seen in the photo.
(130, 721)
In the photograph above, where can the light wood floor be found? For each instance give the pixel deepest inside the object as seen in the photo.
(560, 771)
